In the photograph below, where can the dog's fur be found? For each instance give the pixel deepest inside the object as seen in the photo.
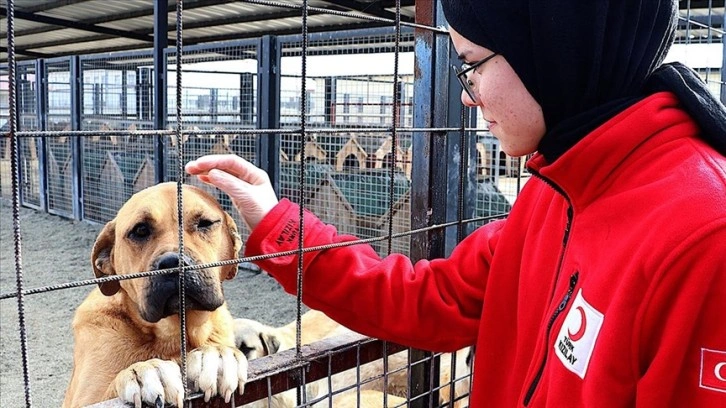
(256, 339)
(127, 333)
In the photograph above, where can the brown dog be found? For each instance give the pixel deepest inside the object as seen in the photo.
(127, 333)
(256, 339)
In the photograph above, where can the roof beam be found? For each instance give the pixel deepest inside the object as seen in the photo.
(77, 25)
(712, 21)
(28, 53)
(373, 9)
(56, 43)
(240, 19)
(144, 12)
(49, 6)
(700, 4)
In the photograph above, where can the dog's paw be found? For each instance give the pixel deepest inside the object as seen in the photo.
(217, 370)
(155, 382)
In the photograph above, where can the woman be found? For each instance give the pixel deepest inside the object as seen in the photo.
(606, 285)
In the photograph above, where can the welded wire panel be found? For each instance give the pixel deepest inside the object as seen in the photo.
(349, 182)
(699, 43)
(218, 87)
(219, 108)
(58, 148)
(27, 105)
(117, 95)
(345, 100)
(349, 81)
(117, 92)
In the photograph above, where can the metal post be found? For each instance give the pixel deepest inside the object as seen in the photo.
(432, 153)
(331, 99)
(460, 190)
(143, 94)
(41, 97)
(97, 99)
(429, 175)
(246, 97)
(20, 108)
(213, 108)
(161, 32)
(76, 143)
(268, 106)
(399, 103)
(124, 95)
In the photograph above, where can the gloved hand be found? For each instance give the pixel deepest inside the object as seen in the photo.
(248, 186)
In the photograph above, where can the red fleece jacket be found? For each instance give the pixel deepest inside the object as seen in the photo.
(605, 287)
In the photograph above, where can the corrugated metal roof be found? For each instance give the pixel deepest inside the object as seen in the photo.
(52, 28)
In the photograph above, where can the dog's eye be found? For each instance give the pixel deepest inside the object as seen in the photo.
(204, 224)
(246, 350)
(140, 231)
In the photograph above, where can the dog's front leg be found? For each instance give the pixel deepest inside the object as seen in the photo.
(217, 370)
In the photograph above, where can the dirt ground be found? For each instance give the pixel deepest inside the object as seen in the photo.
(56, 250)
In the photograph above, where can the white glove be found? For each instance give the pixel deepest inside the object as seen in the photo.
(247, 185)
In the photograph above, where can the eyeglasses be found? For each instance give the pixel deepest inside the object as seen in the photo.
(463, 75)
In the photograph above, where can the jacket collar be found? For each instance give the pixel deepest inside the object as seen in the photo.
(600, 158)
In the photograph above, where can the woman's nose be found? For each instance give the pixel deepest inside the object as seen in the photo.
(466, 99)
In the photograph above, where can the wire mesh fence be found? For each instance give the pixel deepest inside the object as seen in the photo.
(336, 128)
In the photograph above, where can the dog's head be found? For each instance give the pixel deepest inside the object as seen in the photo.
(144, 236)
(255, 339)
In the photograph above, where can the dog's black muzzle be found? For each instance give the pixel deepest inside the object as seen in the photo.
(202, 289)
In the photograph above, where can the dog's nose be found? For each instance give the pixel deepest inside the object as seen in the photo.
(167, 261)
(170, 260)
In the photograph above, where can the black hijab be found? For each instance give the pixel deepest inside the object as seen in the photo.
(586, 61)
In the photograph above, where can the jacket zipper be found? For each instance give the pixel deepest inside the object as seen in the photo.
(573, 281)
(560, 308)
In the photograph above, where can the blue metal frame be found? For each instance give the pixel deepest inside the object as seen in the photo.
(20, 103)
(161, 41)
(434, 173)
(41, 100)
(76, 147)
(46, 80)
(268, 106)
(429, 174)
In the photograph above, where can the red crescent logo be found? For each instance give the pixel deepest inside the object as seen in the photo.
(717, 371)
(583, 325)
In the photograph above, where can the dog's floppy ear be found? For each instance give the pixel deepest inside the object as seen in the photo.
(101, 259)
(270, 342)
(255, 339)
(230, 271)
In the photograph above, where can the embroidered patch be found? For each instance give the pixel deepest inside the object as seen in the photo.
(713, 370)
(576, 340)
(288, 233)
